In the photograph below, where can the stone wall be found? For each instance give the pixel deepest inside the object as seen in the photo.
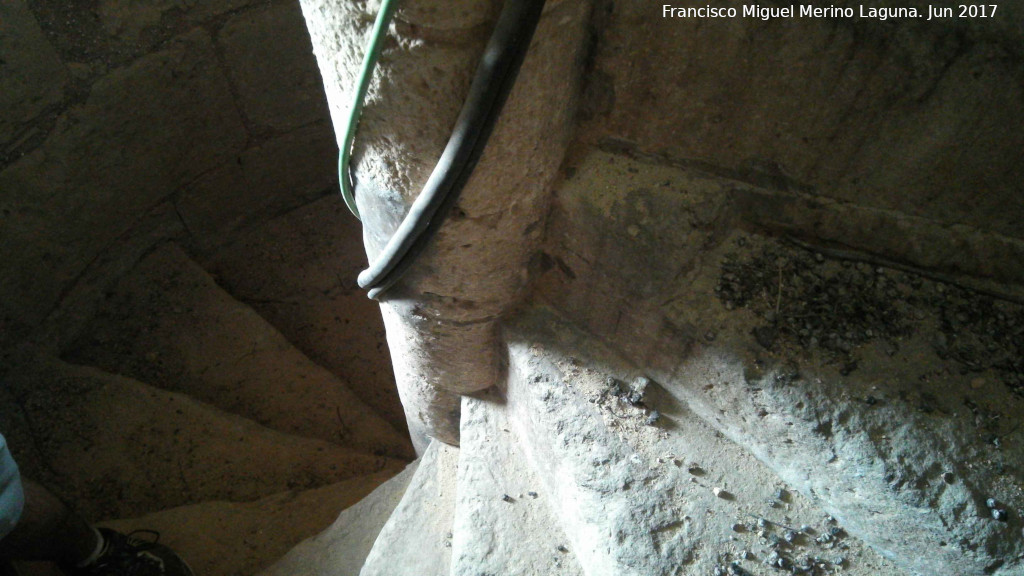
(125, 123)
(900, 137)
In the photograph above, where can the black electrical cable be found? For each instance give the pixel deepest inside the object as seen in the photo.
(494, 79)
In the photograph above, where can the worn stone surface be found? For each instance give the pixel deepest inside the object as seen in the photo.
(504, 518)
(475, 269)
(341, 549)
(896, 443)
(131, 20)
(589, 473)
(851, 434)
(145, 129)
(264, 181)
(646, 482)
(298, 271)
(919, 117)
(671, 211)
(169, 324)
(148, 449)
(32, 77)
(259, 45)
(416, 540)
(242, 538)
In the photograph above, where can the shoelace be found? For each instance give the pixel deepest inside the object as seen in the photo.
(132, 556)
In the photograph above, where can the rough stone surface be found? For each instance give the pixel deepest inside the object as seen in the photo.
(169, 324)
(504, 517)
(589, 473)
(241, 538)
(298, 271)
(259, 46)
(897, 445)
(146, 127)
(873, 445)
(341, 549)
(274, 177)
(975, 256)
(919, 117)
(148, 449)
(664, 495)
(32, 77)
(131, 20)
(416, 539)
(490, 238)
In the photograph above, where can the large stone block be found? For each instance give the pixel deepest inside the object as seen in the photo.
(299, 272)
(32, 76)
(129, 19)
(270, 61)
(887, 397)
(268, 179)
(923, 118)
(145, 130)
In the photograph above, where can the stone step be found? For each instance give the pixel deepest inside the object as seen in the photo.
(241, 538)
(504, 521)
(169, 324)
(645, 495)
(417, 538)
(341, 549)
(890, 397)
(299, 272)
(116, 448)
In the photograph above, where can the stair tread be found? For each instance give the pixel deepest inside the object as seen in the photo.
(887, 396)
(341, 549)
(167, 323)
(299, 272)
(504, 521)
(115, 447)
(241, 538)
(416, 540)
(640, 498)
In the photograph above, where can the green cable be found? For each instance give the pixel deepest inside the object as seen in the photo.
(380, 27)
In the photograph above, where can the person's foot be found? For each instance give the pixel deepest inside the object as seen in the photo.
(129, 555)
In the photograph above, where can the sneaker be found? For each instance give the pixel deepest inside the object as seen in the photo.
(130, 555)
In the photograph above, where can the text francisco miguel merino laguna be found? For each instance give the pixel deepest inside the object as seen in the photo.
(809, 11)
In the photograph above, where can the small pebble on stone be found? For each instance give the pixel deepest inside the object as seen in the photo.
(652, 418)
(561, 548)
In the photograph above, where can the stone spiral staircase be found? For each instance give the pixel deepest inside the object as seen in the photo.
(557, 475)
(674, 439)
(182, 409)
(653, 428)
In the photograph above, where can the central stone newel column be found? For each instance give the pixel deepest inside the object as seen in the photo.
(441, 318)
